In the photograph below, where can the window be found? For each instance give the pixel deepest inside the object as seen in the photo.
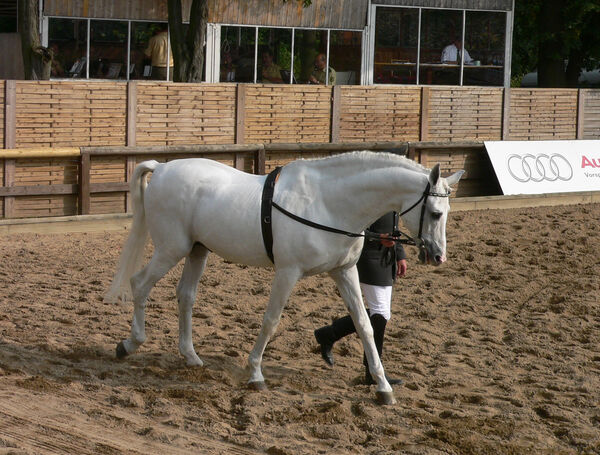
(105, 51)
(310, 57)
(140, 65)
(108, 49)
(396, 46)
(441, 41)
(8, 17)
(345, 50)
(484, 40)
(68, 42)
(425, 46)
(237, 54)
(274, 55)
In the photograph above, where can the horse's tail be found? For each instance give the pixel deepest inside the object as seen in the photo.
(133, 251)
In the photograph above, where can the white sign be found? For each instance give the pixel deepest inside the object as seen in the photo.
(537, 167)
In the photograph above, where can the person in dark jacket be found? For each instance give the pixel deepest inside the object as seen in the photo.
(380, 262)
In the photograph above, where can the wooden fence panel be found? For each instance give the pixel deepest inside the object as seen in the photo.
(287, 113)
(543, 114)
(479, 178)
(379, 114)
(464, 114)
(42, 172)
(62, 114)
(171, 114)
(591, 114)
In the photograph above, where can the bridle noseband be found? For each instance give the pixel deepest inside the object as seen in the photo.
(424, 196)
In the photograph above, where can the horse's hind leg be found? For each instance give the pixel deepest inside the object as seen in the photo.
(141, 285)
(186, 296)
(282, 286)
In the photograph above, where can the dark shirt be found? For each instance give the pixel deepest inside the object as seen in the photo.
(371, 270)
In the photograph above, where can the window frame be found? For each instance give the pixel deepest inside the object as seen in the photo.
(372, 25)
(214, 38)
(46, 39)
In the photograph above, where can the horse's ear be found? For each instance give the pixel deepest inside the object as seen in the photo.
(434, 176)
(454, 178)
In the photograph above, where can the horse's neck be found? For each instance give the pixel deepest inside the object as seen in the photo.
(360, 195)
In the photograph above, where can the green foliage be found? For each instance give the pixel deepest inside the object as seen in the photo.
(559, 30)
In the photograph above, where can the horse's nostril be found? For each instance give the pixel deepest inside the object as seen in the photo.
(439, 259)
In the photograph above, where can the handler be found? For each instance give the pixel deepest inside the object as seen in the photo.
(380, 262)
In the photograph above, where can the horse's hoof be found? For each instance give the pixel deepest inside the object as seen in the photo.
(385, 398)
(121, 351)
(257, 385)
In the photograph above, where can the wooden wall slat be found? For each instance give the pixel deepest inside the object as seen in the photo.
(63, 114)
(464, 114)
(379, 113)
(543, 114)
(279, 114)
(591, 114)
(169, 114)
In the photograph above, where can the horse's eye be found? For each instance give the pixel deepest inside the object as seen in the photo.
(436, 215)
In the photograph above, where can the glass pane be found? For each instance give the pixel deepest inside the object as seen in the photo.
(108, 49)
(67, 38)
(441, 38)
(140, 64)
(345, 56)
(237, 54)
(310, 58)
(396, 37)
(274, 55)
(485, 39)
(8, 24)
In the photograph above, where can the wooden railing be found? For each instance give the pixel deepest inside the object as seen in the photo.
(92, 180)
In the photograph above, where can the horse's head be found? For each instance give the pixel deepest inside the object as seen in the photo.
(427, 219)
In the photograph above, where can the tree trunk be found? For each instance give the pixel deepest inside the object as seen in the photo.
(551, 67)
(37, 60)
(188, 46)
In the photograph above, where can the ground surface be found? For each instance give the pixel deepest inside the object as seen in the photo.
(499, 348)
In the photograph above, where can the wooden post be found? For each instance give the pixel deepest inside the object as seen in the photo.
(506, 114)
(130, 167)
(580, 114)
(131, 112)
(84, 184)
(240, 124)
(259, 161)
(425, 93)
(10, 141)
(240, 114)
(336, 101)
(131, 137)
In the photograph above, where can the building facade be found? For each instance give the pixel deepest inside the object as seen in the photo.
(408, 42)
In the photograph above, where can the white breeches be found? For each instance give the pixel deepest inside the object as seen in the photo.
(378, 299)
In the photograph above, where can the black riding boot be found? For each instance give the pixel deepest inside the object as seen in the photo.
(378, 322)
(328, 335)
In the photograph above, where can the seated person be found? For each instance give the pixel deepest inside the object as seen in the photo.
(227, 68)
(319, 74)
(451, 53)
(271, 71)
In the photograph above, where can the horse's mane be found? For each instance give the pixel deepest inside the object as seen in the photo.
(382, 158)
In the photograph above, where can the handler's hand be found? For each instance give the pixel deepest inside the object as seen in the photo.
(386, 243)
(402, 267)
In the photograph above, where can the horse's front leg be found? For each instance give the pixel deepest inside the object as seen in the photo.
(348, 283)
(282, 286)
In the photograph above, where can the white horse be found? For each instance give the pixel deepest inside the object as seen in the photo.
(195, 206)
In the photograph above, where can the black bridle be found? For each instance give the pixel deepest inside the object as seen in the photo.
(397, 236)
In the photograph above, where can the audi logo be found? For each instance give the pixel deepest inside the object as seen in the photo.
(539, 168)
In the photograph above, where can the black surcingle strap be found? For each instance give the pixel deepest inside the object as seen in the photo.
(265, 211)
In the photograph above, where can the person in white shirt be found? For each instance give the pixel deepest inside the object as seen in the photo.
(451, 53)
